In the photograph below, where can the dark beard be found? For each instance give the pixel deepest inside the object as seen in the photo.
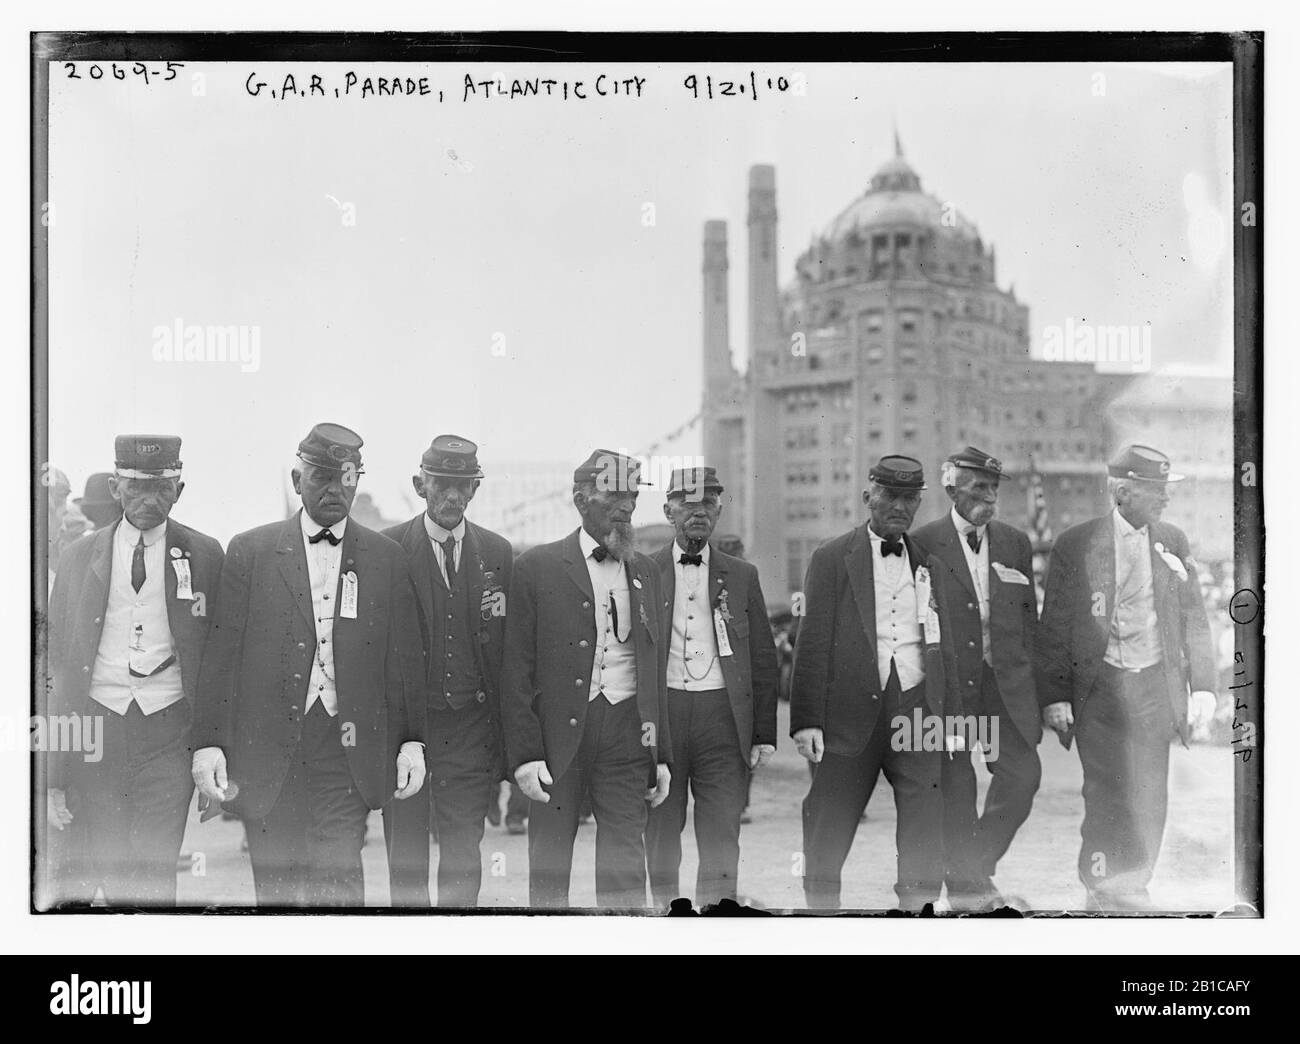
(619, 541)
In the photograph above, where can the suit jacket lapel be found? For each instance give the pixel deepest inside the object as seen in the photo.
(179, 540)
(863, 584)
(415, 541)
(354, 542)
(101, 566)
(1099, 566)
(576, 565)
(949, 549)
(292, 554)
(471, 568)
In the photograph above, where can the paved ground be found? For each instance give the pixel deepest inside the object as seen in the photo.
(1194, 873)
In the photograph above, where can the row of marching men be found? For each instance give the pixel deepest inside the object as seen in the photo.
(318, 670)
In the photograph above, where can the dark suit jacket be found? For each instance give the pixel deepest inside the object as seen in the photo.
(487, 560)
(253, 689)
(1013, 616)
(751, 671)
(80, 599)
(550, 648)
(1079, 601)
(836, 684)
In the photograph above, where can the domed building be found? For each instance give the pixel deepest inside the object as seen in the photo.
(894, 337)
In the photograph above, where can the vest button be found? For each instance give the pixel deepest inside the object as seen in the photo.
(970, 605)
(481, 697)
(970, 684)
(573, 721)
(970, 645)
(85, 670)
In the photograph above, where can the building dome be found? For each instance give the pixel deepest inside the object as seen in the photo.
(894, 197)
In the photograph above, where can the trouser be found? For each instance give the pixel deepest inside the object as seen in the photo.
(973, 843)
(614, 768)
(306, 851)
(461, 758)
(840, 790)
(129, 808)
(707, 760)
(1124, 730)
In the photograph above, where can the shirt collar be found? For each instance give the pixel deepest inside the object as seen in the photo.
(586, 541)
(678, 551)
(965, 525)
(1123, 527)
(310, 528)
(439, 535)
(129, 535)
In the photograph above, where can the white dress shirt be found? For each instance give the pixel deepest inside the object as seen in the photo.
(977, 563)
(898, 633)
(136, 634)
(1134, 641)
(438, 536)
(613, 672)
(693, 663)
(323, 559)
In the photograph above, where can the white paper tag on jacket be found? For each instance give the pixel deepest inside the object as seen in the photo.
(720, 628)
(931, 625)
(348, 606)
(922, 593)
(1008, 575)
(184, 588)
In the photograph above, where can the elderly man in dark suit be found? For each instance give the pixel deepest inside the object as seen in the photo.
(992, 620)
(1123, 636)
(129, 622)
(462, 574)
(867, 661)
(721, 692)
(310, 693)
(583, 690)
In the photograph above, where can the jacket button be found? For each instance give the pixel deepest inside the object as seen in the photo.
(970, 645)
(970, 605)
(85, 670)
(573, 721)
(97, 619)
(297, 677)
(586, 605)
(302, 645)
(583, 644)
(970, 684)
(481, 697)
(577, 682)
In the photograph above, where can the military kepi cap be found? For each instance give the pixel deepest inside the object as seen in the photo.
(1136, 461)
(898, 472)
(693, 483)
(977, 460)
(331, 446)
(451, 456)
(610, 471)
(147, 456)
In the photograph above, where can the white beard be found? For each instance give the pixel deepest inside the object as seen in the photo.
(619, 541)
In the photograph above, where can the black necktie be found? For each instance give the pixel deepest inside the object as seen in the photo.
(324, 534)
(891, 547)
(973, 539)
(137, 566)
(688, 559)
(449, 558)
(600, 553)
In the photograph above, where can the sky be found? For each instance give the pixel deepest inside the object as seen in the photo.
(526, 272)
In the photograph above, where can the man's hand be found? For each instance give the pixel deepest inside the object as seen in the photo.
(810, 744)
(663, 780)
(56, 808)
(531, 777)
(1059, 717)
(208, 770)
(1201, 706)
(759, 753)
(410, 770)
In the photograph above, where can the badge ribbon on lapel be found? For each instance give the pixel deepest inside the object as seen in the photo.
(1170, 559)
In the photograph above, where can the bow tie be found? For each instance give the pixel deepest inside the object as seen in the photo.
(891, 547)
(325, 534)
(974, 540)
(600, 553)
(689, 559)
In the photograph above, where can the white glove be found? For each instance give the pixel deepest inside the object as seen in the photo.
(810, 743)
(531, 776)
(410, 770)
(759, 753)
(208, 770)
